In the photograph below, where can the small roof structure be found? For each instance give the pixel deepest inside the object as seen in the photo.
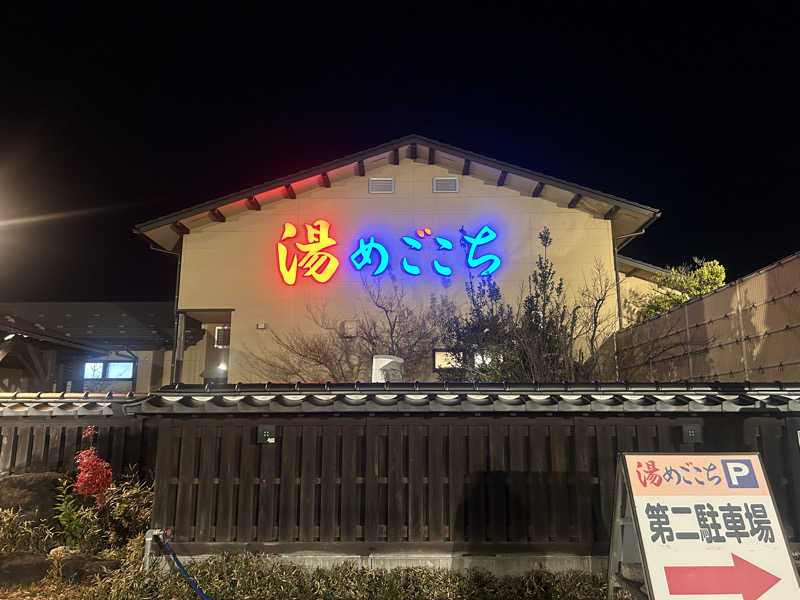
(626, 217)
(637, 268)
(97, 326)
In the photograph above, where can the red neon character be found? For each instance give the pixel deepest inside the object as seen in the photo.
(649, 475)
(317, 264)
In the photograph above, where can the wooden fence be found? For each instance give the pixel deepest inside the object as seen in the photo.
(495, 483)
(49, 444)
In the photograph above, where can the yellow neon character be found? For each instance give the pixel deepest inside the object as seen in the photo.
(317, 264)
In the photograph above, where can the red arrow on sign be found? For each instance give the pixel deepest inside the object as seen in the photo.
(742, 578)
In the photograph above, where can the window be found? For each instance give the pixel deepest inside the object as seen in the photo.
(93, 370)
(119, 370)
(444, 359)
(222, 337)
(108, 369)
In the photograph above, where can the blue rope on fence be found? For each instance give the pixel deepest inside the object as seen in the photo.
(192, 583)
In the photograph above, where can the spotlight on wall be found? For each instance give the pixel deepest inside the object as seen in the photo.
(9, 336)
(222, 366)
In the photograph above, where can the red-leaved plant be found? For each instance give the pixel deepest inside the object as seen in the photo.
(94, 474)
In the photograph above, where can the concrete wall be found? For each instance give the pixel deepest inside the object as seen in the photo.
(233, 265)
(746, 330)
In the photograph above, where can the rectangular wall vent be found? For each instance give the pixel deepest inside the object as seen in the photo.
(445, 185)
(381, 185)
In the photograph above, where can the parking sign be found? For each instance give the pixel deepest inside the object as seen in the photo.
(707, 527)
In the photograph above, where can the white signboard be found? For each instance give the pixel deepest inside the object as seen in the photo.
(708, 528)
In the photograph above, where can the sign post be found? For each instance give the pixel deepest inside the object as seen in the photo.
(705, 526)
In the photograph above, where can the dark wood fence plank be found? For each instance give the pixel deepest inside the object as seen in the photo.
(184, 510)
(229, 469)
(607, 469)
(54, 447)
(476, 520)
(22, 459)
(350, 500)
(328, 488)
(373, 509)
(133, 445)
(266, 493)
(518, 500)
(539, 496)
(417, 459)
(560, 517)
(71, 434)
(436, 499)
(584, 453)
(457, 463)
(666, 441)
(287, 518)
(307, 483)
(117, 449)
(205, 488)
(164, 475)
(496, 483)
(396, 489)
(7, 449)
(103, 442)
(247, 478)
(646, 437)
(38, 462)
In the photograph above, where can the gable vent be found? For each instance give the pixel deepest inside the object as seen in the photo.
(381, 185)
(445, 185)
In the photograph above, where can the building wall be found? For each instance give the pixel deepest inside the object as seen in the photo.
(233, 265)
(629, 287)
(746, 330)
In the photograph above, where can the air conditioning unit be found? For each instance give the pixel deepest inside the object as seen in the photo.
(445, 185)
(381, 185)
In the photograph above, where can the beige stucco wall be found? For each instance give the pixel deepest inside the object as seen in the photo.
(233, 265)
(629, 287)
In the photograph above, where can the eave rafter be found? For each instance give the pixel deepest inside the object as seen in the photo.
(215, 215)
(326, 181)
(412, 151)
(360, 168)
(288, 190)
(611, 212)
(575, 200)
(252, 203)
(431, 155)
(179, 228)
(465, 168)
(537, 191)
(394, 157)
(501, 180)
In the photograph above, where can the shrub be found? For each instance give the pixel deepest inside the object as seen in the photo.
(257, 576)
(94, 473)
(18, 534)
(126, 512)
(78, 525)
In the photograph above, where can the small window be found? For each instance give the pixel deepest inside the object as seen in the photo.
(93, 370)
(119, 370)
(222, 337)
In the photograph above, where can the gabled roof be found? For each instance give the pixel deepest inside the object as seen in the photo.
(626, 216)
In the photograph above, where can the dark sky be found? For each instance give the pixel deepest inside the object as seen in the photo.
(141, 114)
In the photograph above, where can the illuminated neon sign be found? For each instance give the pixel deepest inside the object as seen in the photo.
(317, 264)
(374, 256)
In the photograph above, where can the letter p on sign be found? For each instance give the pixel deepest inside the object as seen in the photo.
(739, 473)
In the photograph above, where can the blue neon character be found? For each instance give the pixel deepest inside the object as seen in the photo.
(485, 236)
(444, 244)
(363, 256)
(414, 245)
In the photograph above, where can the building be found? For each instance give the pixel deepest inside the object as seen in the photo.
(88, 346)
(405, 212)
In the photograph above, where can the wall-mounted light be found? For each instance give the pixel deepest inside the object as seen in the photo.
(9, 336)
(222, 366)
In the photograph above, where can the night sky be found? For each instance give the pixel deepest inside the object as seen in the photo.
(127, 117)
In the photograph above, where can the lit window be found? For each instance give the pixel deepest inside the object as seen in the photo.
(120, 370)
(93, 370)
(222, 337)
(444, 359)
